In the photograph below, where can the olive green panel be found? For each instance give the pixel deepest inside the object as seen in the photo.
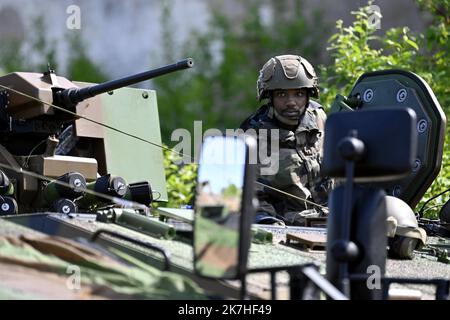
(134, 111)
(402, 89)
(185, 215)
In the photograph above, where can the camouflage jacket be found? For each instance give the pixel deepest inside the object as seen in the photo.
(300, 156)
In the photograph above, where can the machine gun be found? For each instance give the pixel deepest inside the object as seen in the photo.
(34, 109)
(69, 98)
(27, 118)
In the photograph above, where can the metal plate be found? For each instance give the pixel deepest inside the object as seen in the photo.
(398, 88)
(134, 111)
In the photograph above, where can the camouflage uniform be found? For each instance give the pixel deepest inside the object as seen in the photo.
(300, 157)
(300, 146)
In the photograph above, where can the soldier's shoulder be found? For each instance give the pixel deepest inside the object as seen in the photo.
(317, 115)
(317, 109)
(257, 120)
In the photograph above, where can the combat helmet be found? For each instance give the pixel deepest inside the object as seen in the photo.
(287, 72)
(404, 233)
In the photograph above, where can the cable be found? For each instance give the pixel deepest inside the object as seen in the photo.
(421, 211)
(31, 152)
(433, 207)
(291, 195)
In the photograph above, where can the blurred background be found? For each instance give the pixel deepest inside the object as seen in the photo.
(229, 40)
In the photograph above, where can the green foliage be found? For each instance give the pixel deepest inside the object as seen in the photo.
(45, 50)
(42, 52)
(180, 179)
(80, 66)
(221, 89)
(358, 48)
(39, 55)
(231, 191)
(10, 58)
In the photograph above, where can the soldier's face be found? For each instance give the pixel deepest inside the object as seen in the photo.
(290, 103)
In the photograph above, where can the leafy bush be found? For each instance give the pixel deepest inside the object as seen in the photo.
(38, 56)
(80, 66)
(180, 180)
(357, 49)
(42, 53)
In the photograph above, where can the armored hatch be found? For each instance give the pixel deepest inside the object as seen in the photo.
(403, 89)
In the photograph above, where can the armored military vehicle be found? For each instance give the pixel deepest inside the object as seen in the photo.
(81, 165)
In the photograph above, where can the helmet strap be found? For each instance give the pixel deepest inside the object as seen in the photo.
(270, 114)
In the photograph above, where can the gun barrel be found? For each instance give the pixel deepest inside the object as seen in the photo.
(73, 96)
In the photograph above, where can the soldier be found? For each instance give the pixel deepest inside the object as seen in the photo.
(287, 82)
